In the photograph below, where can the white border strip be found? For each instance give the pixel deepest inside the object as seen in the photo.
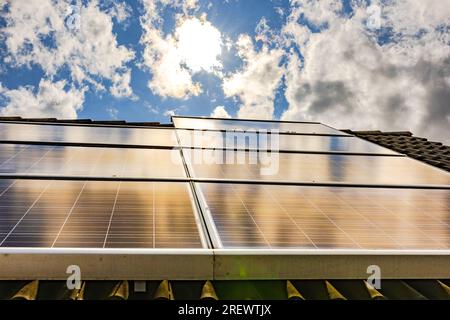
(330, 252)
(105, 251)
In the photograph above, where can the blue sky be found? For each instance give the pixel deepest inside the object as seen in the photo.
(351, 64)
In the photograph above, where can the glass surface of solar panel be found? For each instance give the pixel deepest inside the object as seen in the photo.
(90, 161)
(97, 214)
(293, 167)
(301, 217)
(261, 141)
(87, 134)
(248, 125)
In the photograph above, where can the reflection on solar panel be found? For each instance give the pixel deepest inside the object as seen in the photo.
(4, 184)
(314, 168)
(85, 134)
(90, 161)
(96, 214)
(247, 125)
(262, 216)
(251, 140)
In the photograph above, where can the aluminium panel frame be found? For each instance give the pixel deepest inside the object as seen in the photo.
(276, 264)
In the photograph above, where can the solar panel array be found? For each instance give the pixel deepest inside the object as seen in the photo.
(79, 186)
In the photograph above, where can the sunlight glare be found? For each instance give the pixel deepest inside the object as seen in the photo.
(199, 45)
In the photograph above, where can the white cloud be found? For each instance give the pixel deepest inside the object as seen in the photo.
(169, 78)
(220, 112)
(264, 32)
(172, 59)
(187, 5)
(228, 43)
(170, 113)
(121, 85)
(113, 112)
(350, 79)
(120, 10)
(49, 100)
(150, 108)
(279, 11)
(294, 32)
(53, 34)
(174, 111)
(407, 18)
(255, 85)
(318, 12)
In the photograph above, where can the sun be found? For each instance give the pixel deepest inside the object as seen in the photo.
(199, 44)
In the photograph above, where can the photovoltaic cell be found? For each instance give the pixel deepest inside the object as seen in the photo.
(87, 134)
(4, 184)
(244, 125)
(262, 141)
(90, 161)
(292, 167)
(268, 216)
(96, 214)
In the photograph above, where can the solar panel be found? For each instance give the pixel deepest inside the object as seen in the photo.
(248, 125)
(301, 217)
(261, 141)
(292, 167)
(97, 214)
(87, 134)
(90, 161)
